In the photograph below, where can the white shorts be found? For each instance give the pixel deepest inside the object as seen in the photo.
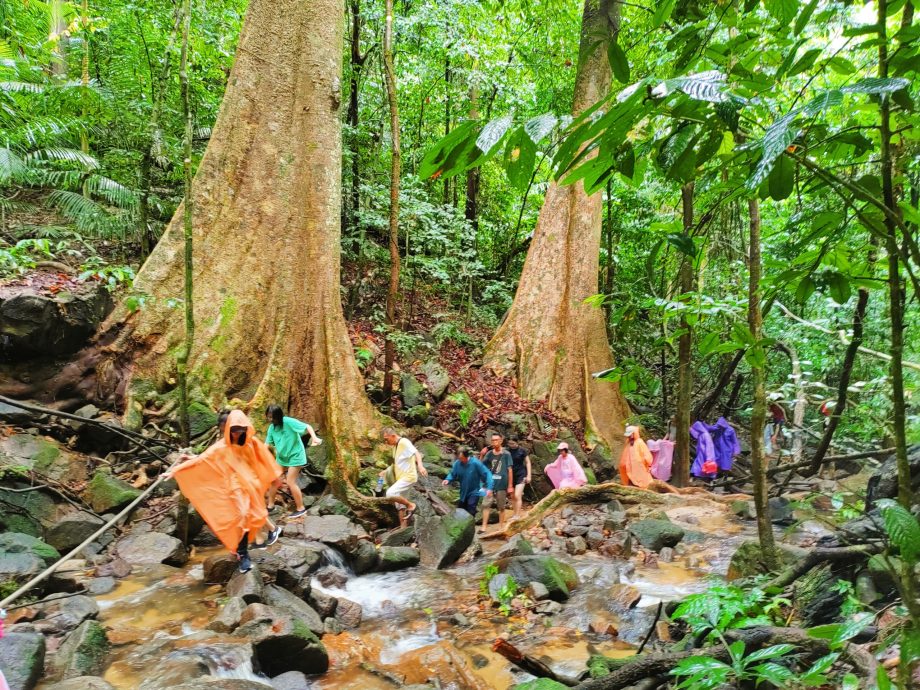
(399, 488)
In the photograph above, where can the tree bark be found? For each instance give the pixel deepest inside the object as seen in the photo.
(759, 414)
(684, 352)
(188, 207)
(395, 164)
(551, 341)
(352, 115)
(471, 207)
(266, 202)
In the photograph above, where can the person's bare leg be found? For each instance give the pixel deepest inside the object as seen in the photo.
(296, 493)
(272, 493)
(485, 518)
(518, 500)
(501, 520)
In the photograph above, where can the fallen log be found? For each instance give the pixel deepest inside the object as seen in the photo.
(814, 557)
(529, 664)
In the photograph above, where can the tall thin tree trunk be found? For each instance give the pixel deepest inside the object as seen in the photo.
(684, 352)
(84, 90)
(188, 209)
(395, 163)
(759, 414)
(551, 341)
(447, 116)
(607, 287)
(353, 114)
(471, 208)
(58, 27)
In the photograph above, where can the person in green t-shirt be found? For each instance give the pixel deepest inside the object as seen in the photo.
(284, 440)
(498, 461)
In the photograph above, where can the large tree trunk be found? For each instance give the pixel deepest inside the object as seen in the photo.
(684, 352)
(551, 340)
(266, 250)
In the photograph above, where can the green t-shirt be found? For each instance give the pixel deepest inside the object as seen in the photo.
(498, 466)
(289, 448)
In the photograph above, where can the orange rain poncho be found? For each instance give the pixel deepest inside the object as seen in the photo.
(227, 483)
(635, 461)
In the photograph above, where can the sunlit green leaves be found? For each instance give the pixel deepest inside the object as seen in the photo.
(619, 63)
(902, 527)
(783, 11)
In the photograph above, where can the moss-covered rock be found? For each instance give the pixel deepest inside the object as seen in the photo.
(29, 512)
(23, 556)
(442, 540)
(748, 560)
(201, 418)
(397, 558)
(540, 684)
(105, 493)
(656, 534)
(558, 577)
(22, 659)
(82, 653)
(412, 392)
(43, 456)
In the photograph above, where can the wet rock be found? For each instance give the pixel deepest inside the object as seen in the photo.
(246, 586)
(618, 545)
(100, 585)
(72, 530)
(106, 493)
(417, 416)
(548, 608)
(44, 456)
(151, 548)
(83, 683)
(364, 558)
(516, 546)
(14, 415)
(334, 530)
(537, 591)
(292, 680)
(748, 561)
(558, 577)
(323, 603)
(411, 391)
(329, 505)
(780, 510)
(601, 626)
(576, 546)
(397, 558)
(442, 539)
(574, 530)
(117, 567)
(666, 555)
(216, 684)
(281, 599)
(459, 620)
(865, 588)
(284, 643)
(615, 522)
(594, 538)
(82, 653)
(332, 627)
(22, 557)
(63, 614)
(219, 568)
(650, 559)
(331, 576)
(884, 481)
(348, 613)
(624, 595)
(436, 377)
(22, 658)
(497, 584)
(401, 536)
(229, 617)
(656, 534)
(29, 512)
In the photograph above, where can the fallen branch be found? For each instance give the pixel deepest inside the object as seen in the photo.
(829, 459)
(813, 557)
(529, 664)
(445, 434)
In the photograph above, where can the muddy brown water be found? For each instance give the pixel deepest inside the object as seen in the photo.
(157, 620)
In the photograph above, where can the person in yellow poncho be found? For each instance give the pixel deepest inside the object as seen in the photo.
(636, 460)
(407, 466)
(227, 485)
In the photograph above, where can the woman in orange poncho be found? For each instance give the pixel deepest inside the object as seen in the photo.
(636, 460)
(227, 485)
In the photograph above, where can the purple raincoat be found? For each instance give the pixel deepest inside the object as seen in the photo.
(726, 443)
(704, 449)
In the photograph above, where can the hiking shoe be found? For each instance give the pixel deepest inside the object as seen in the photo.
(245, 563)
(274, 510)
(273, 536)
(298, 513)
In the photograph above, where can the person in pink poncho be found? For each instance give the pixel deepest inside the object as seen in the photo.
(636, 460)
(565, 472)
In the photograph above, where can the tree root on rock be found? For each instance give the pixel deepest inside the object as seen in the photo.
(815, 557)
(660, 665)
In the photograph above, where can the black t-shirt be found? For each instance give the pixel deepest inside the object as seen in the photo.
(518, 466)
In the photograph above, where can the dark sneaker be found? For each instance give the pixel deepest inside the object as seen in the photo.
(245, 563)
(273, 536)
(298, 513)
(274, 510)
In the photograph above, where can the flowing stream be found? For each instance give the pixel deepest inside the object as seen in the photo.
(158, 619)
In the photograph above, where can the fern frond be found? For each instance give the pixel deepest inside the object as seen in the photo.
(62, 154)
(113, 192)
(902, 527)
(11, 165)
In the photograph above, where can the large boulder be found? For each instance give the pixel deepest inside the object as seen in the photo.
(72, 530)
(437, 378)
(292, 680)
(82, 653)
(748, 559)
(63, 614)
(348, 613)
(884, 481)
(229, 617)
(412, 392)
(22, 659)
(334, 530)
(106, 493)
(22, 557)
(397, 558)
(34, 324)
(150, 548)
(26, 512)
(656, 534)
(282, 642)
(364, 558)
(247, 586)
(443, 539)
(282, 599)
(559, 578)
(44, 457)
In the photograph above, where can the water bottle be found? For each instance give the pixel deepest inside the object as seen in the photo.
(379, 485)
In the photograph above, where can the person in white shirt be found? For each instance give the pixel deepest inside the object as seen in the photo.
(407, 466)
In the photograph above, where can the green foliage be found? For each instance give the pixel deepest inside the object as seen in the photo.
(16, 259)
(112, 276)
(724, 607)
(706, 673)
(490, 571)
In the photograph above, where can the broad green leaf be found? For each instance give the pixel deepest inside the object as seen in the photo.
(910, 644)
(802, 20)
(822, 102)
(539, 127)
(619, 63)
(704, 86)
(823, 664)
(805, 62)
(805, 290)
(663, 12)
(520, 158)
(493, 132)
(877, 85)
(850, 682)
(436, 157)
(851, 628)
(782, 178)
(841, 65)
(902, 527)
(773, 673)
(882, 679)
(683, 243)
(783, 11)
(697, 664)
(742, 334)
(839, 287)
(770, 652)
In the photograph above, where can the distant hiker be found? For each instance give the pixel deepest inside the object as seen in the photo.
(635, 460)
(473, 476)
(725, 442)
(704, 465)
(284, 439)
(662, 458)
(498, 461)
(778, 419)
(520, 473)
(407, 466)
(565, 472)
(227, 483)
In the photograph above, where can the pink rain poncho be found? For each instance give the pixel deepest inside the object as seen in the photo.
(662, 458)
(566, 473)
(635, 461)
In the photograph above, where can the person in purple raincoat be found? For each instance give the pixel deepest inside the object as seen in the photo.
(704, 465)
(725, 442)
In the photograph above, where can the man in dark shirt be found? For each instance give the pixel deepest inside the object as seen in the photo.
(498, 461)
(520, 473)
